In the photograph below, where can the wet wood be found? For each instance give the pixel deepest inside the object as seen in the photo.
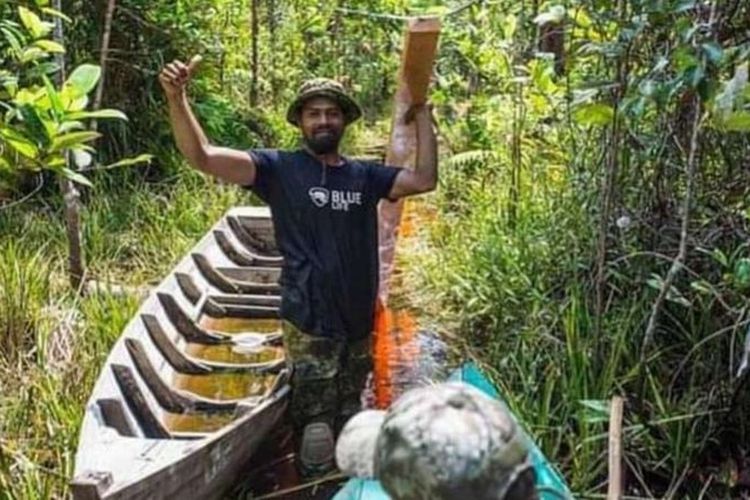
(240, 256)
(147, 420)
(114, 416)
(188, 365)
(614, 490)
(168, 398)
(253, 242)
(420, 50)
(150, 431)
(228, 284)
(186, 326)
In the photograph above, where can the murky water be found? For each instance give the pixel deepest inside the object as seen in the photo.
(225, 386)
(241, 325)
(233, 354)
(200, 422)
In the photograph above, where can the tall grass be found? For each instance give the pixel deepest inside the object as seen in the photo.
(519, 298)
(54, 344)
(24, 290)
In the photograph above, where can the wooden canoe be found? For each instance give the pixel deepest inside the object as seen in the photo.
(197, 379)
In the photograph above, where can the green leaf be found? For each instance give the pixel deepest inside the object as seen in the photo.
(56, 162)
(75, 177)
(683, 59)
(684, 6)
(68, 126)
(20, 143)
(702, 286)
(595, 410)
(30, 54)
(54, 97)
(33, 23)
(13, 37)
(56, 13)
(35, 125)
(50, 46)
(83, 79)
(742, 273)
(73, 140)
(713, 51)
(694, 76)
(131, 161)
(738, 121)
(102, 113)
(595, 113)
(73, 103)
(11, 87)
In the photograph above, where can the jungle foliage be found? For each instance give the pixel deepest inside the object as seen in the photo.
(592, 215)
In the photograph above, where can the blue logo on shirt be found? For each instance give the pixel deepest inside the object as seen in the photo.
(319, 196)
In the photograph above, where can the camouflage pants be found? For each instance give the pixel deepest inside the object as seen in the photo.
(328, 376)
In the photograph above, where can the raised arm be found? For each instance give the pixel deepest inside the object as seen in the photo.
(424, 176)
(228, 164)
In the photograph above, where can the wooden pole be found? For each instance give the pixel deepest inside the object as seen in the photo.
(614, 491)
(420, 50)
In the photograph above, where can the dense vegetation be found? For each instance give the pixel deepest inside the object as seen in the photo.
(592, 228)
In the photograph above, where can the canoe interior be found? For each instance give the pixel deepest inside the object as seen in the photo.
(197, 380)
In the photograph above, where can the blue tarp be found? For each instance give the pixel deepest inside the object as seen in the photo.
(550, 482)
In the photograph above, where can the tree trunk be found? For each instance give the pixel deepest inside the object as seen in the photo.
(254, 54)
(71, 197)
(272, 25)
(104, 52)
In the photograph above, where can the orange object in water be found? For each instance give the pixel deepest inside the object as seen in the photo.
(395, 352)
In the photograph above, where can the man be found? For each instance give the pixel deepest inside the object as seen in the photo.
(324, 209)
(440, 442)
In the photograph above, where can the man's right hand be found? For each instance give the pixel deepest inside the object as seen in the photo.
(175, 76)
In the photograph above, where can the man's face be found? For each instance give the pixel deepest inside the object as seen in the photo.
(322, 123)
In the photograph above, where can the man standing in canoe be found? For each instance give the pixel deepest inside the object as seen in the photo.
(324, 209)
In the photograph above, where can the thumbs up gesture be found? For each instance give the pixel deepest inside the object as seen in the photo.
(175, 76)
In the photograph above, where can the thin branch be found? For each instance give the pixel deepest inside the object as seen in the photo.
(103, 59)
(682, 251)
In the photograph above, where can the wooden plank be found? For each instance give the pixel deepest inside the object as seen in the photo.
(115, 417)
(614, 490)
(186, 326)
(240, 256)
(176, 359)
(147, 419)
(420, 50)
(188, 365)
(253, 243)
(229, 285)
(91, 485)
(168, 398)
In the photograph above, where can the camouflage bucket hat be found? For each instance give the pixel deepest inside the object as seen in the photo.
(323, 87)
(440, 442)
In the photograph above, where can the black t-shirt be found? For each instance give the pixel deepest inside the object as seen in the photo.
(325, 220)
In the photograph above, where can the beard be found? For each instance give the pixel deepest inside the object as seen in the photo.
(323, 142)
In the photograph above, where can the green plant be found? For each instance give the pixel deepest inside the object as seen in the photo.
(42, 124)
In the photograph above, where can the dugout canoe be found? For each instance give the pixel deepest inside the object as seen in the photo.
(197, 379)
